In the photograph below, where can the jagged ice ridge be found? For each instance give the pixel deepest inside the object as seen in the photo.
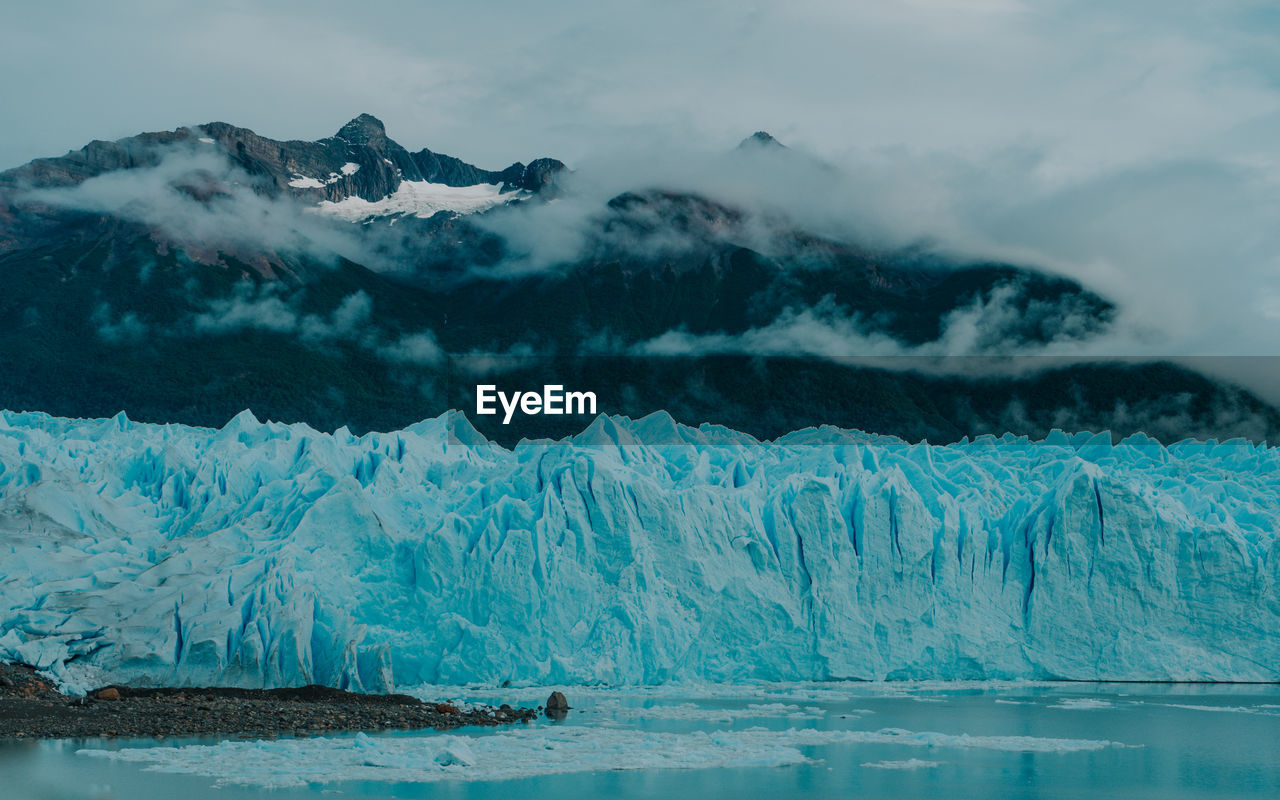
(271, 554)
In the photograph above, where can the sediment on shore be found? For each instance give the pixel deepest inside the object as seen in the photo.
(32, 708)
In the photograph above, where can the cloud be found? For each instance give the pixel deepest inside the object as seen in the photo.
(1187, 249)
(521, 355)
(419, 349)
(349, 320)
(991, 327)
(1129, 146)
(128, 328)
(1100, 83)
(262, 308)
(198, 198)
(247, 310)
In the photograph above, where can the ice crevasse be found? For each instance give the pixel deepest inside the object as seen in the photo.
(637, 552)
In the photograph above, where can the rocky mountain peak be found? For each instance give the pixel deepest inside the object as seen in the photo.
(365, 129)
(760, 139)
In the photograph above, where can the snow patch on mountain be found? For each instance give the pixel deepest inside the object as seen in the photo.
(422, 199)
(300, 181)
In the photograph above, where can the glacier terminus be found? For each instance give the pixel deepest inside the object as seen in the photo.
(637, 552)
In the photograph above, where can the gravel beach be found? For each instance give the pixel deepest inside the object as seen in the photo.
(32, 708)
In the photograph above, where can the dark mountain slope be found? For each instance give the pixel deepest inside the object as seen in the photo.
(106, 311)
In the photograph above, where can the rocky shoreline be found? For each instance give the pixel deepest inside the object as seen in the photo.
(32, 708)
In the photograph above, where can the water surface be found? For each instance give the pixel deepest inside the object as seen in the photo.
(771, 741)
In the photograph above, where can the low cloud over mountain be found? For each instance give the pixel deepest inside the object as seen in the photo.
(359, 257)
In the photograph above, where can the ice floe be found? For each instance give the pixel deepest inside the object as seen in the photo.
(544, 750)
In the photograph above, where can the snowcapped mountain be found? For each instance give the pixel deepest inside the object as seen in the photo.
(271, 555)
(357, 164)
(184, 275)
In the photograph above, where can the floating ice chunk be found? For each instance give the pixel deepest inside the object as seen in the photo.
(1264, 710)
(434, 758)
(1013, 744)
(1082, 704)
(615, 709)
(781, 710)
(537, 751)
(911, 763)
(455, 754)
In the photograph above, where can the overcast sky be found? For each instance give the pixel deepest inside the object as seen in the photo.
(1133, 145)
(495, 82)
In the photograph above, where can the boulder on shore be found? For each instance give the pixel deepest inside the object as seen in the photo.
(557, 702)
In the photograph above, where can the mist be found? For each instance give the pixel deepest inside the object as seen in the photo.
(198, 198)
(1187, 250)
(1128, 146)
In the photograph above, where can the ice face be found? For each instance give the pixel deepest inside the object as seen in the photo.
(269, 554)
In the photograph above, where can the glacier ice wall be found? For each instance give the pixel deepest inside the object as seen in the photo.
(269, 554)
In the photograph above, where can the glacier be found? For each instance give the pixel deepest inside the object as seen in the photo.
(637, 552)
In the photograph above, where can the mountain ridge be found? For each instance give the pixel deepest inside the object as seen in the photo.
(365, 143)
(213, 284)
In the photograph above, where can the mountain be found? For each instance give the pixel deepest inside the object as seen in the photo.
(760, 139)
(356, 166)
(358, 161)
(182, 276)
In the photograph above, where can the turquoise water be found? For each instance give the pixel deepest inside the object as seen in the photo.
(802, 740)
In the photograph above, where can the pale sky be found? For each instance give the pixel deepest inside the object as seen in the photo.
(1131, 145)
(1094, 83)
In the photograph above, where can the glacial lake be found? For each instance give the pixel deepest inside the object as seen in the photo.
(772, 741)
